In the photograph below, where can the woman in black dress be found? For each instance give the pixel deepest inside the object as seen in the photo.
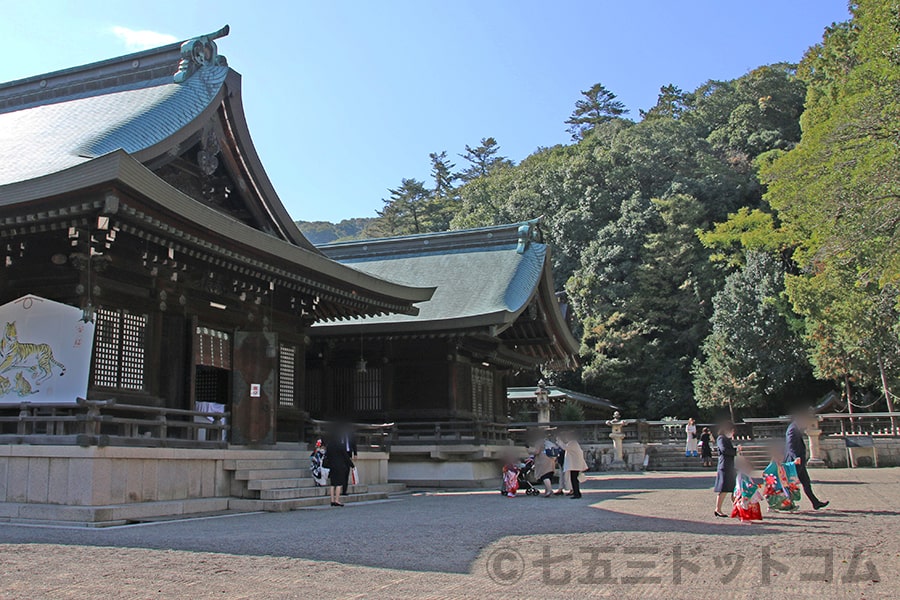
(706, 447)
(339, 463)
(725, 473)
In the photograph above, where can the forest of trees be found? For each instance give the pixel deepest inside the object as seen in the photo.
(736, 246)
(324, 232)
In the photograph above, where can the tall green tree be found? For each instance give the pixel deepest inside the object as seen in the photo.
(753, 357)
(670, 104)
(442, 174)
(838, 194)
(482, 159)
(597, 105)
(408, 210)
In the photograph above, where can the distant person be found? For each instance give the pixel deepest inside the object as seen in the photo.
(545, 454)
(565, 487)
(706, 447)
(690, 446)
(574, 463)
(795, 451)
(725, 472)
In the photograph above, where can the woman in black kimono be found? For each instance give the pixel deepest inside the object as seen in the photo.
(725, 473)
(706, 447)
(339, 463)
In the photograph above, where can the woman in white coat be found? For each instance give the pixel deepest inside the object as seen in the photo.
(690, 446)
(574, 463)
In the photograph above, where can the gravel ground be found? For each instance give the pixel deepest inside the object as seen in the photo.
(648, 535)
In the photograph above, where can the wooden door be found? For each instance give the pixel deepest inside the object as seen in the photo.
(254, 389)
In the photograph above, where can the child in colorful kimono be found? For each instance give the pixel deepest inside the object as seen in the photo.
(781, 486)
(747, 495)
(510, 479)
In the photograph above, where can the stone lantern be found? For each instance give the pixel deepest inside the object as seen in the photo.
(542, 400)
(617, 437)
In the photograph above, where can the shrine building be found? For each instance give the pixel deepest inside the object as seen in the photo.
(212, 335)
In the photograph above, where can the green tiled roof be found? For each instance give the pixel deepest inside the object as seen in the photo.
(41, 139)
(116, 121)
(481, 277)
(469, 282)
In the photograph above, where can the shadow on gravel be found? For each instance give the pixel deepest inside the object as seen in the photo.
(442, 533)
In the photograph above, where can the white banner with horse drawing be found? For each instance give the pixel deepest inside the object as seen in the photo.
(45, 352)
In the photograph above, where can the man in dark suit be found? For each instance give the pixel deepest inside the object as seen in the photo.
(795, 451)
(347, 441)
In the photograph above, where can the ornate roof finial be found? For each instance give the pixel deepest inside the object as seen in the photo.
(528, 232)
(200, 52)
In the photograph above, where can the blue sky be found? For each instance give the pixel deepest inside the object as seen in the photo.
(346, 98)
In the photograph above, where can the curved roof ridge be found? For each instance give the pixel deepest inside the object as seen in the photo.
(91, 79)
(515, 234)
(433, 234)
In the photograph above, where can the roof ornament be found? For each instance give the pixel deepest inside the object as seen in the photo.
(528, 232)
(209, 148)
(200, 52)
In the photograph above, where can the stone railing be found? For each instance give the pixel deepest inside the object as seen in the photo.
(586, 432)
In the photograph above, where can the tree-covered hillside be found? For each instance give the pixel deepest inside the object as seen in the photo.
(323, 232)
(736, 246)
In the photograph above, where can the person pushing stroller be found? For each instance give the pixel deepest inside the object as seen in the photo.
(546, 454)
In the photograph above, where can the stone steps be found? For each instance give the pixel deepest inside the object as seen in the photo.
(255, 474)
(254, 505)
(283, 483)
(672, 458)
(267, 463)
(274, 484)
(306, 492)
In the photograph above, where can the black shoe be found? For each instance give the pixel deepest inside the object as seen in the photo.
(558, 493)
(574, 497)
(821, 505)
(718, 514)
(334, 503)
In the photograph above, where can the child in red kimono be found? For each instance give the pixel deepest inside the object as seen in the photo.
(747, 494)
(510, 480)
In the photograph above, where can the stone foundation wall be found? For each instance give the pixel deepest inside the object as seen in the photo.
(372, 467)
(834, 453)
(450, 466)
(76, 476)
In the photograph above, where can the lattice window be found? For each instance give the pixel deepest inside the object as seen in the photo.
(119, 349)
(106, 348)
(287, 360)
(367, 391)
(211, 385)
(356, 392)
(482, 392)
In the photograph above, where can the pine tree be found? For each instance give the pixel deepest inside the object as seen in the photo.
(599, 105)
(482, 159)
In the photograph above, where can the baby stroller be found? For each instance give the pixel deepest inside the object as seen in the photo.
(515, 476)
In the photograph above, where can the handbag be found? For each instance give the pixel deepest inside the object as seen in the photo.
(354, 476)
